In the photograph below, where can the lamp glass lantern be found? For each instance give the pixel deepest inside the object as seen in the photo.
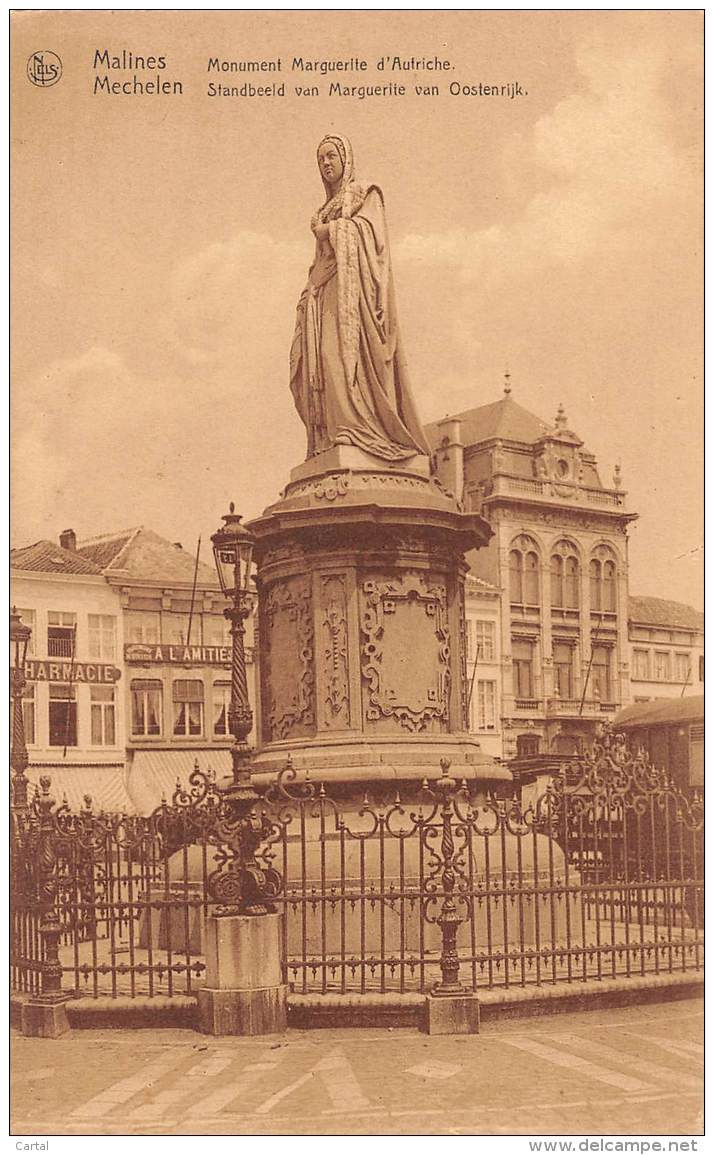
(233, 553)
(20, 635)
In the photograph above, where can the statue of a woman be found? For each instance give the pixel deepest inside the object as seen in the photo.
(347, 370)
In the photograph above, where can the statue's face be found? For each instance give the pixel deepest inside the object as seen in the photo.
(330, 162)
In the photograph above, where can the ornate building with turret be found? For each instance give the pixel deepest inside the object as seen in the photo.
(559, 558)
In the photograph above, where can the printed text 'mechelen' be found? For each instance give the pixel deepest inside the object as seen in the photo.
(127, 61)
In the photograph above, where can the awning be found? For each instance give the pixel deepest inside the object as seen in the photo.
(153, 774)
(106, 786)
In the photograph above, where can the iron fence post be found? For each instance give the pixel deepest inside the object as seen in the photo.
(50, 929)
(449, 919)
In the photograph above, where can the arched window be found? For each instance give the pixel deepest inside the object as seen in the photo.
(572, 583)
(524, 566)
(603, 581)
(609, 603)
(532, 590)
(595, 585)
(557, 590)
(565, 576)
(516, 576)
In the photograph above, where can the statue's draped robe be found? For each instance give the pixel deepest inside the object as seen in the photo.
(347, 370)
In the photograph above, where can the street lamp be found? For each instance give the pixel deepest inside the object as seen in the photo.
(233, 552)
(19, 640)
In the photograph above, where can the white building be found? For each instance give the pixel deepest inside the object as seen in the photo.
(483, 662)
(74, 702)
(666, 649)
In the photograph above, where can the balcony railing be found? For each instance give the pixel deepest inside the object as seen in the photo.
(527, 703)
(571, 707)
(560, 490)
(60, 647)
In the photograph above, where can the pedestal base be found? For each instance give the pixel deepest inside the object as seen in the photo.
(452, 1015)
(257, 1012)
(244, 992)
(44, 1020)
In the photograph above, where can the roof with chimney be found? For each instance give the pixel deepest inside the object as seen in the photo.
(663, 612)
(48, 557)
(141, 554)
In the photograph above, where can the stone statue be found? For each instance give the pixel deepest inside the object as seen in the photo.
(347, 370)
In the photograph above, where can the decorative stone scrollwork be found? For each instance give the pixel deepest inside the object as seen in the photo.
(289, 676)
(333, 608)
(406, 671)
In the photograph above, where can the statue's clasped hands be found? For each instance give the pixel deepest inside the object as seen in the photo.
(320, 230)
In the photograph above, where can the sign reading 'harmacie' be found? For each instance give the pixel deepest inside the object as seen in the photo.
(49, 670)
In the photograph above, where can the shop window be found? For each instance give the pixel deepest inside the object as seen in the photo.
(102, 637)
(221, 702)
(61, 635)
(486, 706)
(188, 707)
(522, 669)
(63, 715)
(103, 716)
(563, 654)
(146, 703)
(527, 744)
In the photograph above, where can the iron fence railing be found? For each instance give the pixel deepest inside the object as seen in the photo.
(601, 877)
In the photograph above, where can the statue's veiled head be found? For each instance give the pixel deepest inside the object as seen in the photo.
(335, 162)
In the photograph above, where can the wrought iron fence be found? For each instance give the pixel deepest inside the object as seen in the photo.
(601, 876)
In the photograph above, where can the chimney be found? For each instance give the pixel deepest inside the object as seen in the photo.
(450, 456)
(68, 540)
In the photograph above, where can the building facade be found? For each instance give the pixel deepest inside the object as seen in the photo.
(559, 556)
(666, 649)
(74, 701)
(483, 662)
(129, 666)
(176, 655)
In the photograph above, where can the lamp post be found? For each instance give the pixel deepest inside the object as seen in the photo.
(19, 640)
(233, 552)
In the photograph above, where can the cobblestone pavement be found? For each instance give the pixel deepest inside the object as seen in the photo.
(635, 1070)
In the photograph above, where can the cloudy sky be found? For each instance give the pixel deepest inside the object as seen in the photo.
(161, 243)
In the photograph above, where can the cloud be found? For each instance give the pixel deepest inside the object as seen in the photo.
(222, 295)
(605, 163)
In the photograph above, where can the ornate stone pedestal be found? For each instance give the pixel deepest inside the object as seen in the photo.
(362, 627)
(244, 992)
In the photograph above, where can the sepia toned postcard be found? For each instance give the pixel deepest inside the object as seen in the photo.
(357, 652)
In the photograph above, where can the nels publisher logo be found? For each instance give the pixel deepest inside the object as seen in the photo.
(44, 69)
